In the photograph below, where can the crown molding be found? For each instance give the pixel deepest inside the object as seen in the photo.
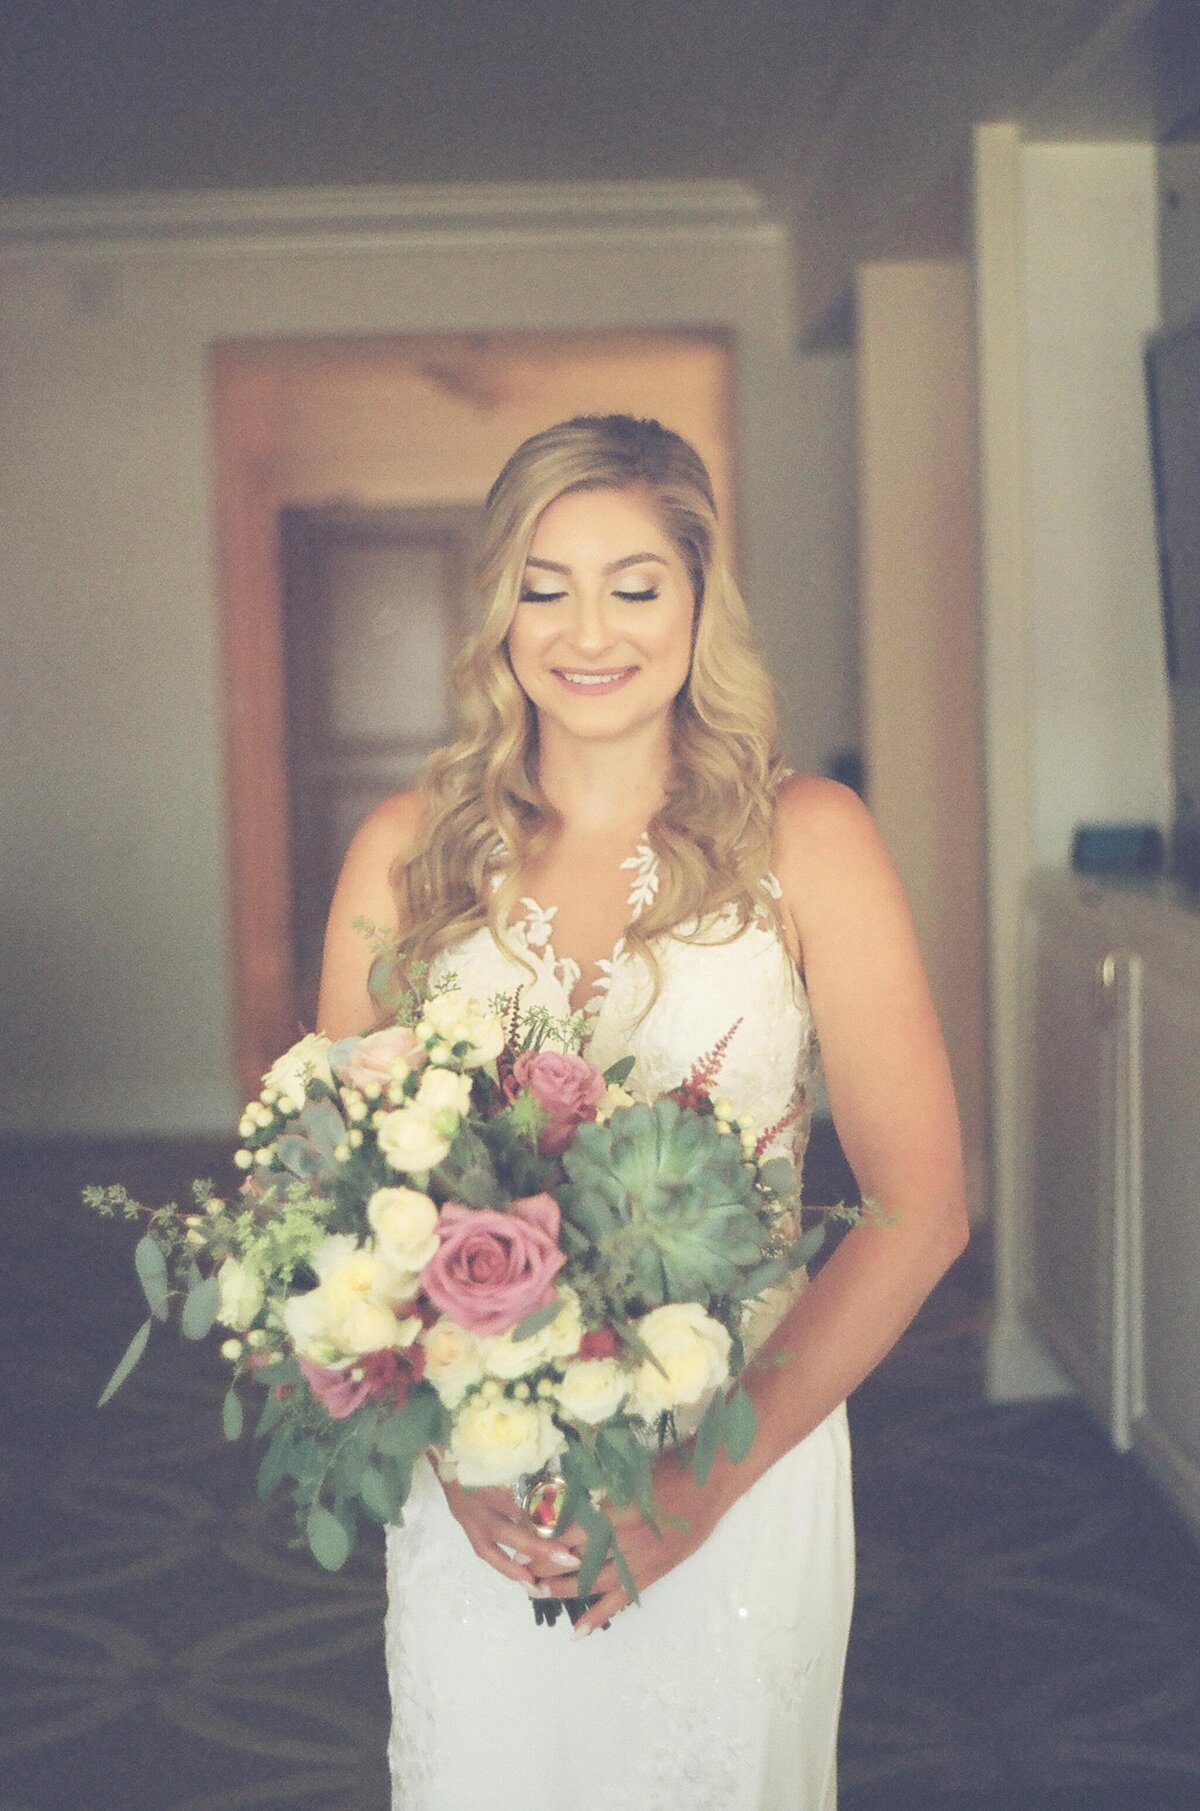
(384, 215)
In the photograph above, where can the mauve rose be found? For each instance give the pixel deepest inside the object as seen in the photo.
(376, 1377)
(567, 1087)
(372, 1057)
(494, 1268)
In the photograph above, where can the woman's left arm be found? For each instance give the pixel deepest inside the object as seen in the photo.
(893, 1105)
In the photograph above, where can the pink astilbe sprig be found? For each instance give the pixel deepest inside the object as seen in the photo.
(695, 1090)
(767, 1138)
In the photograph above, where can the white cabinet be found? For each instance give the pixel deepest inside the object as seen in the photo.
(1084, 1144)
(1111, 1247)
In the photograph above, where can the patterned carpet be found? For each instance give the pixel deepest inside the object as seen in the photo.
(1027, 1636)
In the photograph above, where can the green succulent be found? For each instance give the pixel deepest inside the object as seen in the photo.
(666, 1203)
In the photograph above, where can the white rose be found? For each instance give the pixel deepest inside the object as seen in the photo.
(452, 1362)
(441, 1091)
(333, 1250)
(693, 1350)
(458, 1020)
(593, 1389)
(309, 1326)
(307, 1060)
(504, 1356)
(405, 1226)
(370, 1325)
(495, 1442)
(242, 1295)
(410, 1141)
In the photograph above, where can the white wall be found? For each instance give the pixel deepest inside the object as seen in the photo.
(1075, 685)
(113, 906)
(1099, 705)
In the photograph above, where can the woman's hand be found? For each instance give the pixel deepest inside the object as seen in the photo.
(686, 1515)
(493, 1521)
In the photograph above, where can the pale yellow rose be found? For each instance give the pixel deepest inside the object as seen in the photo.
(405, 1226)
(504, 1356)
(593, 1389)
(452, 1361)
(496, 1442)
(242, 1296)
(410, 1141)
(693, 1350)
(307, 1060)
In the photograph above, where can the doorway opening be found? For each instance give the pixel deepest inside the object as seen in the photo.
(349, 476)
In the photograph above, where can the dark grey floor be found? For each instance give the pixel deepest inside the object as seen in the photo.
(1027, 1633)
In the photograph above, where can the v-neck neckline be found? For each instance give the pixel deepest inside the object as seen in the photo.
(566, 972)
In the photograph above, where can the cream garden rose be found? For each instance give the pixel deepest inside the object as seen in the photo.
(593, 1389)
(457, 1019)
(693, 1351)
(404, 1222)
(353, 1309)
(495, 1441)
(410, 1140)
(443, 1091)
(307, 1060)
(453, 1364)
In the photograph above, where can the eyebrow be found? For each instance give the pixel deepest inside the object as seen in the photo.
(631, 559)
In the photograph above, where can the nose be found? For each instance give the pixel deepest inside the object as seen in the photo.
(588, 630)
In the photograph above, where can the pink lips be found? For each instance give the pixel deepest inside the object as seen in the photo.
(593, 684)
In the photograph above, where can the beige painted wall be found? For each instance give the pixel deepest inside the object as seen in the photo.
(113, 901)
(920, 630)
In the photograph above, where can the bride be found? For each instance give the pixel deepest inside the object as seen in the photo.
(614, 833)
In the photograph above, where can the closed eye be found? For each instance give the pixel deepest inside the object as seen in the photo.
(541, 597)
(637, 597)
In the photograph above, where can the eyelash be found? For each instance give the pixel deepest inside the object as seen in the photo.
(552, 597)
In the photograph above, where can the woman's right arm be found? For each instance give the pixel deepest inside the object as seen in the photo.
(364, 890)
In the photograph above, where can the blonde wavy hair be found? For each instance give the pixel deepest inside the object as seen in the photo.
(485, 814)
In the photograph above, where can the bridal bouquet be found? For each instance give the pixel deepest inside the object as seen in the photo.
(454, 1237)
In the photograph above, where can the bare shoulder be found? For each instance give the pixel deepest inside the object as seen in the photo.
(829, 857)
(365, 895)
(387, 835)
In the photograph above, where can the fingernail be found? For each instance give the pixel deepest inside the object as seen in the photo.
(569, 1562)
(537, 1590)
(580, 1630)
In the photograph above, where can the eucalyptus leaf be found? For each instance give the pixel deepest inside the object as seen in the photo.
(276, 1462)
(708, 1439)
(324, 1126)
(299, 1155)
(132, 1353)
(808, 1247)
(200, 1308)
(151, 1266)
(617, 1073)
(232, 1419)
(272, 1412)
(599, 1531)
(741, 1424)
(536, 1320)
(377, 1495)
(327, 1538)
(779, 1176)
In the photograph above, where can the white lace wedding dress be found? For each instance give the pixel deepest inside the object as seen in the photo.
(721, 1690)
